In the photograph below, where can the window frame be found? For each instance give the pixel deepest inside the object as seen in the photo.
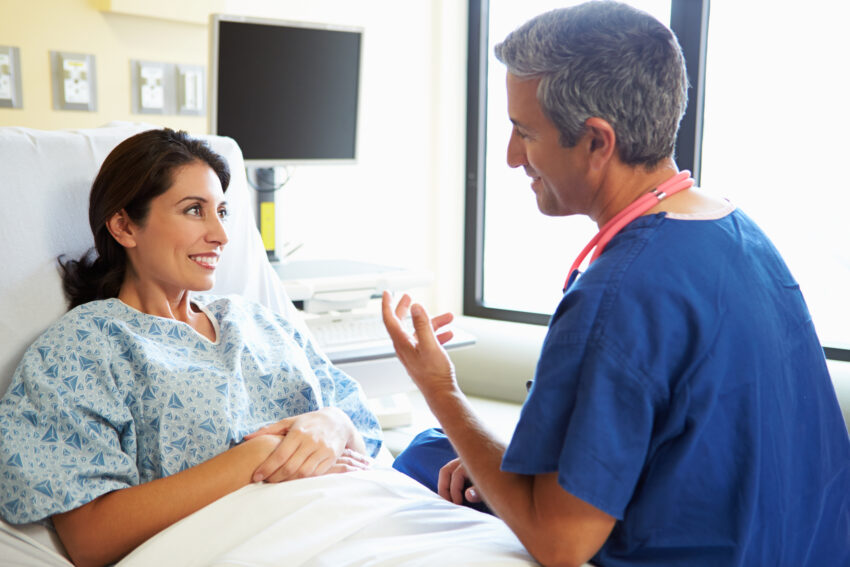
(689, 21)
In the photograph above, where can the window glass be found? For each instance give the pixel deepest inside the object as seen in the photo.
(774, 136)
(526, 255)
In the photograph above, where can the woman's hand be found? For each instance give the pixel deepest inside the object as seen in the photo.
(422, 354)
(452, 484)
(313, 444)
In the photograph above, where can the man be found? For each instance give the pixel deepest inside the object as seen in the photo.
(681, 412)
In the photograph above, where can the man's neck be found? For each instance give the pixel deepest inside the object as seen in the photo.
(621, 185)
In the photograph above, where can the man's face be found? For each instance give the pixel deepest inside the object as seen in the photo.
(557, 173)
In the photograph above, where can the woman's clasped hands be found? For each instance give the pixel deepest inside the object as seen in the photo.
(312, 444)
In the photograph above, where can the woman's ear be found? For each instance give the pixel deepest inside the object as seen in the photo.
(603, 141)
(122, 229)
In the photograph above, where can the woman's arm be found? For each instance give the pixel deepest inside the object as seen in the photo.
(109, 527)
(311, 445)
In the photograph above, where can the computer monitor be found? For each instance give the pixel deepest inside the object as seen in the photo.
(286, 92)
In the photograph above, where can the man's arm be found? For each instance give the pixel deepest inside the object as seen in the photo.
(556, 527)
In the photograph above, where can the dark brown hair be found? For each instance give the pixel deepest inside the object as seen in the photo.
(139, 169)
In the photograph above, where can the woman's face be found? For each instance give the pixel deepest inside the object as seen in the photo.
(178, 245)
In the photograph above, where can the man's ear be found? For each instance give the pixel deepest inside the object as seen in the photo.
(603, 141)
(122, 229)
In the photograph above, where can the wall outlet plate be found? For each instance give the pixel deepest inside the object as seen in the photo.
(191, 89)
(153, 87)
(10, 77)
(74, 81)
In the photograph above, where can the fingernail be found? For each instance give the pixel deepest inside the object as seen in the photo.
(257, 477)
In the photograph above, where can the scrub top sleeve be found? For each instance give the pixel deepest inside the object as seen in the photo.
(64, 429)
(591, 422)
(608, 434)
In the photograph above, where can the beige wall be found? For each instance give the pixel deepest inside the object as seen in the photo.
(37, 27)
(400, 204)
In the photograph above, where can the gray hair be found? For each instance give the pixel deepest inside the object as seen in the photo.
(608, 60)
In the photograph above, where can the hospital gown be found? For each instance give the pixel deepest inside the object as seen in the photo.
(110, 397)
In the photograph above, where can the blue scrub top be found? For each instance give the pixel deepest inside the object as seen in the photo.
(682, 389)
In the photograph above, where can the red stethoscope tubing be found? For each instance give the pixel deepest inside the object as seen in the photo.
(642, 204)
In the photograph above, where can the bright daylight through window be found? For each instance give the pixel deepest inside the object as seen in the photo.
(773, 130)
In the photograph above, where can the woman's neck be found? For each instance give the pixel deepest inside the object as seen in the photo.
(177, 306)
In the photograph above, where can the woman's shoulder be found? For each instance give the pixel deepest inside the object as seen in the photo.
(94, 315)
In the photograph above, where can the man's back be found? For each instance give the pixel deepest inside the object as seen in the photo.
(682, 389)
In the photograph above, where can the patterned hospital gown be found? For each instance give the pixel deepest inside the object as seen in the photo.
(110, 397)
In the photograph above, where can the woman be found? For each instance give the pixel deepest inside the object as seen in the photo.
(146, 401)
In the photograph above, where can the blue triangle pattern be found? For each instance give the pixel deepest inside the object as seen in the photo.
(267, 379)
(208, 425)
(74, 441)
(70, 383)
(12, 506)
(15, 461)
(45, 488)
(19, 390)
(50, 435)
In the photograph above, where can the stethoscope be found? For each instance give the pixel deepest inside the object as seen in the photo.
(642, 204)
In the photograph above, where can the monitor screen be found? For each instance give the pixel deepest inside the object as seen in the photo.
(286, 92)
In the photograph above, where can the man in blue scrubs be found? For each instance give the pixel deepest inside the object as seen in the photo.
(681, 411)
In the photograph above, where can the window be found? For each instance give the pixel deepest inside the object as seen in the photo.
(517, 259)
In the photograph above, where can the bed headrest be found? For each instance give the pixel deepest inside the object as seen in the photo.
(45, 178)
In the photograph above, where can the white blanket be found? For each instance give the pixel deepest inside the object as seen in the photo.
(375, 518)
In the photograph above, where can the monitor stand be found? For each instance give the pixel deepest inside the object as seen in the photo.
(266, 188)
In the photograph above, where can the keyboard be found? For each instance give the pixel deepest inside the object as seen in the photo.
(350, 329)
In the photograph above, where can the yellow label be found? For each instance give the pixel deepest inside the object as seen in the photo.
(267, 224)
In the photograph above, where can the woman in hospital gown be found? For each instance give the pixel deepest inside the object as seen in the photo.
(147, 401)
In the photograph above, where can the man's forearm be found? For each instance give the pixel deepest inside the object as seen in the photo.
(555, 526)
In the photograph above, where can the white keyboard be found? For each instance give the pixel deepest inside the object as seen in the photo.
(349, 329)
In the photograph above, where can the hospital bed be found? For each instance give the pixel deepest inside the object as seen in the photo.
(375, 517)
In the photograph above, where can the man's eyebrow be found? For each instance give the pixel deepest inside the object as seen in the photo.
(519, 124)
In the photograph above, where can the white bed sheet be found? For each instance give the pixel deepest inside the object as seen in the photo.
(372, 518)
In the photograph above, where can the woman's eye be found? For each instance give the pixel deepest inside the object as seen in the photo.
(194, 210)
(223, 214)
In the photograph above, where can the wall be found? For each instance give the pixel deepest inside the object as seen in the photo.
(400, 204)
(37, 27)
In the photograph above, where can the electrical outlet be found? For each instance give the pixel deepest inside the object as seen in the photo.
(151, 86)
(10, 77)
(74, 85)
(5, 77)
(190, 89)
(76, 88)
